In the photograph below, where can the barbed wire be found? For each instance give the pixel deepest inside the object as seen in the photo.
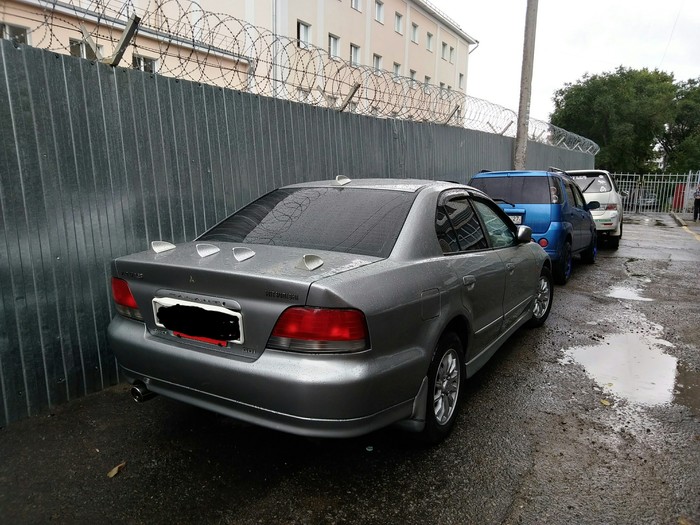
(187, 42)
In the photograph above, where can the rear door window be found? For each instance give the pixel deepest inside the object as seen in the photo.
(350, 220)
(458, 227)
(515, 189)
(569, 194)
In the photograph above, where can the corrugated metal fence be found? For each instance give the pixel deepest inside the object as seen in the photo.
(96, 162)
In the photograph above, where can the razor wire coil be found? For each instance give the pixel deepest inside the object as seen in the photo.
(190, 43)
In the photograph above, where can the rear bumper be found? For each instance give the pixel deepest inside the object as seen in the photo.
(555, 236)
(607, 222)
(307, 394)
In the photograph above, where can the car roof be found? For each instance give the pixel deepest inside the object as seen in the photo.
(516, 173)
(405, 185)
(588, 172)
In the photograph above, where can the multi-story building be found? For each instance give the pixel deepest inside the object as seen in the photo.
(325, 48)
(409, 38)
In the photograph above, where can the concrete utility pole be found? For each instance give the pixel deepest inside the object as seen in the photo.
(520, 153)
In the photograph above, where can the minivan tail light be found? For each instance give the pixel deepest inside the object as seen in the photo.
(306, 329)
(124, 299)
(611, 207)
(543, 242)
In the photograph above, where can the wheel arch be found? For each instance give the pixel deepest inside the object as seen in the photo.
(459, 325)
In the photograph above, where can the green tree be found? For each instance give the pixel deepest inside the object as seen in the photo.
(681, 140)
(624, 111)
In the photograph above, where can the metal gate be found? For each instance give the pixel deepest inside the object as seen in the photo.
(657, 193)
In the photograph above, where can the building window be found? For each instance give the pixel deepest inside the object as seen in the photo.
(15, 33)
(379, 11)
(397, 69)
(414, 33)
(333, 45)
(303, 34)
(442, 85)
(354, 55)
(377, 62)
(452, 55)
(461, 81)
(444, 51)
(355, 4)
(427, 80)
(398, 23)
(413, 74)
(429, 41)
(144, 63)
(79, 48)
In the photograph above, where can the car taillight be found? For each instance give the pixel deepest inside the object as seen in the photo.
(543, 242)
(611, 207)
(124, 299)
(305, 329)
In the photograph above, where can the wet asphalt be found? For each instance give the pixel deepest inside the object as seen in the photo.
(593, 418)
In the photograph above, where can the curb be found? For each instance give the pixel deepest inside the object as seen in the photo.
(678, 220)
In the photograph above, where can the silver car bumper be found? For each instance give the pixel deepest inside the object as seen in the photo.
(607, 221)
(335, 395)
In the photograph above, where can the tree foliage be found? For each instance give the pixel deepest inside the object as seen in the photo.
(681, 140)
(626, 112)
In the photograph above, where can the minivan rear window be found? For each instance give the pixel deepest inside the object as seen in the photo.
(515, 189)
(349, 220)
(593, 183)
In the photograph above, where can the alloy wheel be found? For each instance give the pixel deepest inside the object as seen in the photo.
(446, 391)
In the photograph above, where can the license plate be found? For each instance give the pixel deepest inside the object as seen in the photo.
(517, 219)
(201, 322)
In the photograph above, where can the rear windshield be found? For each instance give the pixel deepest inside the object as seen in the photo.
(360, 221)
(593, 183)
(516, 190)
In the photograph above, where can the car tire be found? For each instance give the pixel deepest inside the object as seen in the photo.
(445, 378)
(562, 269)
(543, 299)
(589, 254)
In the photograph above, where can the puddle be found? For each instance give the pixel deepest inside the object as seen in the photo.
(634, 367)
(626, 292)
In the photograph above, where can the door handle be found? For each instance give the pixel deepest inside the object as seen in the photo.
(469, 281)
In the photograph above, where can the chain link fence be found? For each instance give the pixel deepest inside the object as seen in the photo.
(184, 41)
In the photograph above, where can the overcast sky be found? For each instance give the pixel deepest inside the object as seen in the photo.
(574, 38)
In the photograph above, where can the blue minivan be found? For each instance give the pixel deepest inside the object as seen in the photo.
(550, 203)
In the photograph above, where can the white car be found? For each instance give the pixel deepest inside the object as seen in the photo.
(598, 185)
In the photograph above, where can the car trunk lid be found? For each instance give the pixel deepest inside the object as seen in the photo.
(203, 282)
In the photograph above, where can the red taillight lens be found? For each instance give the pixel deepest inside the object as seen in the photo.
(611, 207)
(124, 299)
(543, 242)
(304, 329)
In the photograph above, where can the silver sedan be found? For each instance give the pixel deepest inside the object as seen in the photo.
(331, 308)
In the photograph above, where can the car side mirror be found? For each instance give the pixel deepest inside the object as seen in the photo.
(593, 205)
(524, 234)
(625, 193)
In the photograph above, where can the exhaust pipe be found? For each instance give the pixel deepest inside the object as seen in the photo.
(140, 393)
